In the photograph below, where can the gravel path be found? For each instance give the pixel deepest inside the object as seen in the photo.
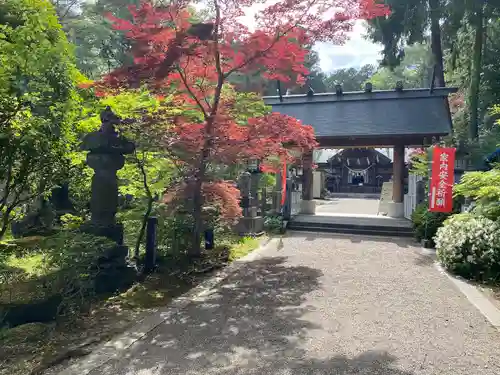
(323, 305)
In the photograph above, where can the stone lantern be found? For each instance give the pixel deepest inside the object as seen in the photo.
(106, 156)
(251, 224)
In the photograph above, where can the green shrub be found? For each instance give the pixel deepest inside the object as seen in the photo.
(484, 189)
(425, 223)
(267, 180)
(273, 224)
(69, 221)
(57, 272)
(469, 246)
(73, 249)
(174, 234)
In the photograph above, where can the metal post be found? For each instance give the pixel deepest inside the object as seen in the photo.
(150, 259)
(209, 239)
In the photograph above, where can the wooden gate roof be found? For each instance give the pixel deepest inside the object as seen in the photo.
(410, 114)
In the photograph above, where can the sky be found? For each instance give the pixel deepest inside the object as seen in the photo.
(356, 52)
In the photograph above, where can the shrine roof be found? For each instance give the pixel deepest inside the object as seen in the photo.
(411, 112)
(370, 155)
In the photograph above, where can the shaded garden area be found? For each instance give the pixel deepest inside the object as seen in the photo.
(59, 305)
(112, 115)
(74, 235)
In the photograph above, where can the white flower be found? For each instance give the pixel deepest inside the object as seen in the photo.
(466, 238)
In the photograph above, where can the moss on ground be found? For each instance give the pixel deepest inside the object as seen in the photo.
(243, 247)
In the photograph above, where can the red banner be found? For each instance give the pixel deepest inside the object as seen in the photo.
(442, 180)
(283, 184)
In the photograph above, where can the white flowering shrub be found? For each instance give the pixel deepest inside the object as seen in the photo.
(469, 246)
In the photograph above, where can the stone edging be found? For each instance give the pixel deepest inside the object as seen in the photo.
(111, 349)
(471, 292)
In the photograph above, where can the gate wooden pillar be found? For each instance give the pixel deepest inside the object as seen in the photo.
(308, 206)
(396, 207)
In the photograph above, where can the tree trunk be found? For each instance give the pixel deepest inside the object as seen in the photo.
(5, 226)
(436, 47)
(198, 199)
(147, 190)
(476, 72)
(195, 248)
(142, 231)
(6, 220)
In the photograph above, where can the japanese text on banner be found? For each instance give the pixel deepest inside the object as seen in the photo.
(442, 179)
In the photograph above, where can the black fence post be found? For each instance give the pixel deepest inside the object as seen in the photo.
(209, 239)
(150, 259)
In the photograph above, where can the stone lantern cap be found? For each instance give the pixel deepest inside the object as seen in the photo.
(106, 140)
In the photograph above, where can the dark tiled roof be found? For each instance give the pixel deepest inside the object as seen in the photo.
(379, 113)
(365, 155)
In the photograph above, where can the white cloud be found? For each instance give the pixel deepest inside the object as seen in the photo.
(356, 52)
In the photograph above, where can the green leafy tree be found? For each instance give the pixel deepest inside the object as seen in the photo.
(458, 33)
(37, 102)
(66, 9)
(484, 186)
(254, 82)
(484, 189)
(409, 23)
(471, 35)
(147, 172)
(415, 70)
(351, 79)
(98, 48)
(315, 79)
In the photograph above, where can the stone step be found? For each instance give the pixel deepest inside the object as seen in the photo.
(351, 228)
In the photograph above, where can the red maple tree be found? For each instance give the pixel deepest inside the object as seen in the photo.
(196, 60)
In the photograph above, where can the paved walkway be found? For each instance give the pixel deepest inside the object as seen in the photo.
(323, 305)
(348, 206)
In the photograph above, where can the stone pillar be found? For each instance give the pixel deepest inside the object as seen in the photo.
(106, 156)
(263, 202)
(245, 187)
(396, 207)
(254, 192)
(308, 206)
